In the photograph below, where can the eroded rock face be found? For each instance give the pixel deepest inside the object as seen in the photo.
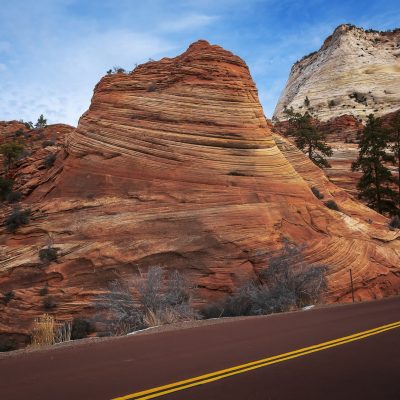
(175, 164)
(355, 72)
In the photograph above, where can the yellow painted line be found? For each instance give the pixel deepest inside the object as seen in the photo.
(239, 369)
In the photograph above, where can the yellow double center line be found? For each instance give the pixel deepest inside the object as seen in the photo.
(240, 369)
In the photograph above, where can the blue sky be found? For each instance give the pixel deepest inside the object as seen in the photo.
(53, 52)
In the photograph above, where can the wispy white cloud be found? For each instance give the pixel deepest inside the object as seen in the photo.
(187, 22)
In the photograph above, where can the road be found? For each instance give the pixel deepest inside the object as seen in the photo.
(360, 367)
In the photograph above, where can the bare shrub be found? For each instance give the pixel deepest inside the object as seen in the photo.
(288, 283)
(124, 313)
(154, 299)
(63, 332)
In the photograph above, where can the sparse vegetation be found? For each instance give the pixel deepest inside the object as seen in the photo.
(48, 255)
(41, 122)
(331, 204)
(49, 303)
(317, 193)
(152, 87)
(395, 147)
(47, 143)
(14, 197)
(11, 152)
(307, 138)
(44, 291)
(8, 345)
(394, 223)
(5, 188)
(155, 299)
(288, 283)
(43, 330)
(49, 160)
(47, 331)
(8, 296)
(375, 185)
(80, 328)
(358, 97)
(116, 70)
(16, 219)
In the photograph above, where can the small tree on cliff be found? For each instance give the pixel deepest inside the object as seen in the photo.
(395, 140)
(11, 152)
(307, 138)
(41, 122)
(375, 183)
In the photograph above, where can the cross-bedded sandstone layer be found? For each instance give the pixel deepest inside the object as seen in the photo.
(355, 72)
(175, 164)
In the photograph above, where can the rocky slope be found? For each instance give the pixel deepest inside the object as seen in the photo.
(175, 164)
(355, 72)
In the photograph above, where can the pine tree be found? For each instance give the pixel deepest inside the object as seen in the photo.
(395, 140)
(375, 183)
(41, 122)
(11, 152)
(308, 139)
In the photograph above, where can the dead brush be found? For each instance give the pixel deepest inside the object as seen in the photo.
(47, 331)
(43, 332)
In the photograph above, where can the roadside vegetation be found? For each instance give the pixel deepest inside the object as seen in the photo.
(288, 283)
(150, 300)
(161, 297)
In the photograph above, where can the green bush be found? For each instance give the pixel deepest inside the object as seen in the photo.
(14, 197)
(317, 193)
(48, 255)
(44, 291)
(16, 219)
(49, 160)
(8, 297)
(47, 143)
(80, 328)
(394, 223)
(8, 345)
(49, 303)
(11, 151)
(5, 188)
(331, 204)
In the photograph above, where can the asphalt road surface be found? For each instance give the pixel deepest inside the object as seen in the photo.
(337, 352)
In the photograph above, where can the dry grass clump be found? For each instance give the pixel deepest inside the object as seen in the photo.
(155, 299)
(47, 331)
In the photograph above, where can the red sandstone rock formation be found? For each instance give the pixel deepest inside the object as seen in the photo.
(174, 164)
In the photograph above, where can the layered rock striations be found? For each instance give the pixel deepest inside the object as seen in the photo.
(355, 72)
(175, 164)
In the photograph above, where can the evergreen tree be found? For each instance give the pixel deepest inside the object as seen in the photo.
(11, 152)
(375, 183)
(41, 122)
(307, 102)
(307, 138)
(395, 140)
